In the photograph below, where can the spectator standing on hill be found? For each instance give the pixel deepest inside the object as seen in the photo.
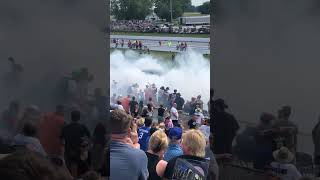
(224, 128)
(132, 105)
(72, 135)
(126, 161)
(50, 129)
(174, 115)
(158, 144)
(174, 148)
(144, 134)
(179, 101)
(161, 112)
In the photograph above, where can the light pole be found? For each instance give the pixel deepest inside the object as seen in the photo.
(171, 10)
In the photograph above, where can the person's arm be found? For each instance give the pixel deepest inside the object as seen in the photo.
(144, 174)
(161, 167)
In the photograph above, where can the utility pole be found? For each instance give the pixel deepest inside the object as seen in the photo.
(171, 9)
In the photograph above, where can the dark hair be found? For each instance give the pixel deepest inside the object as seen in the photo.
(148, 121)
(29, 129)
(175, 90)
(149, 106)
(75, 115)
(133, 98)
(119, 102)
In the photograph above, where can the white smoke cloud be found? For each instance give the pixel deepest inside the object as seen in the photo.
(190, 76)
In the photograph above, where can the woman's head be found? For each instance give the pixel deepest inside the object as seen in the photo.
(140, 122)
(193, 143)
(158, 142)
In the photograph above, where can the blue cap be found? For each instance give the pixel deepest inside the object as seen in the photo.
(175, 133)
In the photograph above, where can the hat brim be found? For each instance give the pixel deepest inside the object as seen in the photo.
(289, 159)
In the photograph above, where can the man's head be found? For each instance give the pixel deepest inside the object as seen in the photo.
(120, 122)
(175, 91)
(75, 116)
(193, 143)
(29, 129)
(175, 134)
(199, 97)
(133, 98)
(148, 121)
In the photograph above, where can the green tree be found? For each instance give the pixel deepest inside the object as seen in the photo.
(204, 8)
(131, 9)
(162, 8)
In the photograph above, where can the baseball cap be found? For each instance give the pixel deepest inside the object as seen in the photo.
(175, 133)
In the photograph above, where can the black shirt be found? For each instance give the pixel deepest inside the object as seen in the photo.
(152, 166)
(161, 112)
(192, 124)
(171, 169)
(72, 134)
(180, 102)
(132, 105)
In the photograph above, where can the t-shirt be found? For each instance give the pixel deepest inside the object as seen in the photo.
(127, 162)
(132, 105)
(72, 134)
(161, 112)
(174, 113)
(285, 171)
(49, 133)
(187, 167)
(144, 133)
(192, 124)
(152, 166)
(174, 150)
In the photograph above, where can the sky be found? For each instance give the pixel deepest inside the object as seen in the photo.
(198, 2)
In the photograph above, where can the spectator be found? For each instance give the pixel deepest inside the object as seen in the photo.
(72, 135)
(174, 115)
(50, 130)
(157, 147)
(199, 102)
(161, 111)
(144, 134)
(99, 143)
(27, 165)
(193, 146)
(127, 162)
(119, 106)
(179, 101)
(140, 122)
(28, 138)
(174, 149)
(282, 165)
(148, 112)
(205, 127)
(133, 103)
(287, 129)
(224, 128)
(168, 123)
(264, 141)
(192, 123)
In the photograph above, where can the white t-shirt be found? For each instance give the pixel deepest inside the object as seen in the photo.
(174, 113)
(285, 171)
(120, 107)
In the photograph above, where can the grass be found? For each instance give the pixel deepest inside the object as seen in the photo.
(161, 34)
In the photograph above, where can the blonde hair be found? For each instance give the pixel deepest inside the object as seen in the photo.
(140, 122)
(158, 141)
(195, 141)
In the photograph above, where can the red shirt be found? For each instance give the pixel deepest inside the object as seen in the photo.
(49, 133)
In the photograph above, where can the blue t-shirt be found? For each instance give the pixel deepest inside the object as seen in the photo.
(127, 162)
(144, 134)
(174, 150)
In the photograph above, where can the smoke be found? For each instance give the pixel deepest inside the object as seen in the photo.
(190, 75)
(50, 39)
(266, 57)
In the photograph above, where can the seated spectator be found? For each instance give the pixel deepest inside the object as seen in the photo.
(174, 148)
(127, 162)
(193, 146)
(157, 146)
(28, 139)
(144, 134)
(283, 166)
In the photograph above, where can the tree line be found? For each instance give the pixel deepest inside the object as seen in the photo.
(139, 9)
